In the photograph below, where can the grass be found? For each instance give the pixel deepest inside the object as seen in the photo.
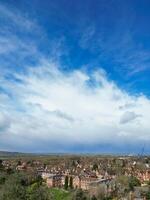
(60, 194)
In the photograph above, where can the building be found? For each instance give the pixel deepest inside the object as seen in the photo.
(54, 180)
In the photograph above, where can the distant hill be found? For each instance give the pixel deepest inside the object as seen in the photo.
(5, 154)
(13, 154)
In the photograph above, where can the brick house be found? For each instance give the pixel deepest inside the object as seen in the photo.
(54, 180)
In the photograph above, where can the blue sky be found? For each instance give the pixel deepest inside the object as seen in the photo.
(74, 76)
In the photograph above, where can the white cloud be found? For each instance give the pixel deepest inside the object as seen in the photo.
(49, 106)
(19, 37)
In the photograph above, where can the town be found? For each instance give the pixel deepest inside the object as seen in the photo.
(97, 176)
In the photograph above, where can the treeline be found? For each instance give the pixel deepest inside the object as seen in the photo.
(22, 186)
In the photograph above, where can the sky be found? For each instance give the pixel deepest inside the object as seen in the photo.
(74, 76)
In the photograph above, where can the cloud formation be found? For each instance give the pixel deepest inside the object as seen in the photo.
(62, 108)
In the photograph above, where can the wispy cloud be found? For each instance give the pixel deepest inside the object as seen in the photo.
(117, 44)
(19, 37)
(11, 14)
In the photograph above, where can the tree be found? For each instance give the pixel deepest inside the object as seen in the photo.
(1, 164)
(95, 167)
(71, 182)
(73, 164)
(122, 185)
(148, 195)
(100, 192)
(93, 197)
(19, 162)
(22, 186)
(36, 191)
(9, 170)
(12, 189)
(79, 195)
(2, 178)
(133, 181)
(66, 183)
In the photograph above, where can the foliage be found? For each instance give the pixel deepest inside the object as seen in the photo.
(79, 195)
(2, 178)
(122, 185)
(59, 194)
(93, 197)
(71, 182)
(133, 181)
(148, 195)
(95, 167)
(73, 164)
(66, 182)
(36, 191)
(22, 186)
(13, 189)
(1, 166)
